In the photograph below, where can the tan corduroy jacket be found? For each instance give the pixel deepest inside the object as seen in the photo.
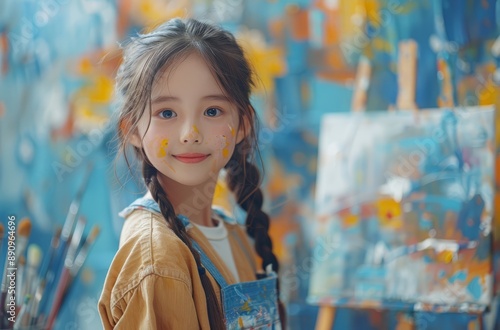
(153, 281)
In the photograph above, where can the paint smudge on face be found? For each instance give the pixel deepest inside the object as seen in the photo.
(225, 150)
(220, 142)
(162, 149)
(193, 133)
(169, 166)
(231, 129)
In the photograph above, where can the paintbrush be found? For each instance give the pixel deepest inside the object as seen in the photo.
(23, 317)
(69, 273)
(28, 285)
(20, 278)
(67, 257)
(67, 228)
(75, 206)
(47, 266)
(3, 288)
(82, 254)
(34, 259)
(2, 231)
(23, 233)
(45, 278)
(75, 242)
(65, 237)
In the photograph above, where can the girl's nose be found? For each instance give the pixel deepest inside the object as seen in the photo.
(191, 135)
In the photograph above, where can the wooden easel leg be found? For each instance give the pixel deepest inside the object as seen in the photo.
(326, 317)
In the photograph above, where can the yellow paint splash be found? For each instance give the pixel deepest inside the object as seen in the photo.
(162, 151)
(267, 61)
(246, 306)
(389, 213)
(147, 11)
(222, 195)
(351, 220)
(446, 256)
(195, 129)
(231, 129)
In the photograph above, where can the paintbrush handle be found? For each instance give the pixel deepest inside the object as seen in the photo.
(36, 301)
(4, 277)
(52, 277)
(23, 317)
(47, 262)
(59, 295)
(3, 315)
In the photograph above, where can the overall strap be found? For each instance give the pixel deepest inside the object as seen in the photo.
(235, 236)
(205, 260)
(142, 203)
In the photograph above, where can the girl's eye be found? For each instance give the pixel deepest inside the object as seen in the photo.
(167, 114)
(213, 112)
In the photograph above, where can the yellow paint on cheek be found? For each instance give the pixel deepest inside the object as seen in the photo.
(231, 129)
(225, 150)
(162, 150)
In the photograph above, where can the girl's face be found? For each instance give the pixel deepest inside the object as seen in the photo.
(193, 127)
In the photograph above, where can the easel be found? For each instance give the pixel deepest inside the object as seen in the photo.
(326, 317)
(407, 66)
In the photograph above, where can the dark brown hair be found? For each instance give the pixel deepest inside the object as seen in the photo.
(144, 57)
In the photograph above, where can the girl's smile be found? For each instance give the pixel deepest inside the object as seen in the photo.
(191, 158)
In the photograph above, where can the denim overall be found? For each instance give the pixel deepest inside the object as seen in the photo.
(246, 305)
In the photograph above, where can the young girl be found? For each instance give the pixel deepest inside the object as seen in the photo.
(183, 264)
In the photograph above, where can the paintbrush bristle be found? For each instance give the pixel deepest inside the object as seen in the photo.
(24, 227)
(34, 255)
(2, 230)
(93, 233)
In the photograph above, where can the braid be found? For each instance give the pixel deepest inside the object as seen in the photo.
(167, 210)
(249, 196)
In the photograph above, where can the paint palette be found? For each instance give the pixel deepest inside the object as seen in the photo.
(404, 206)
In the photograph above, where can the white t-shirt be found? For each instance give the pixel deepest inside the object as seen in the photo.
(218, 237)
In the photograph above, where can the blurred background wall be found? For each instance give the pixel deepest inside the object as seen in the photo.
(57, 63)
